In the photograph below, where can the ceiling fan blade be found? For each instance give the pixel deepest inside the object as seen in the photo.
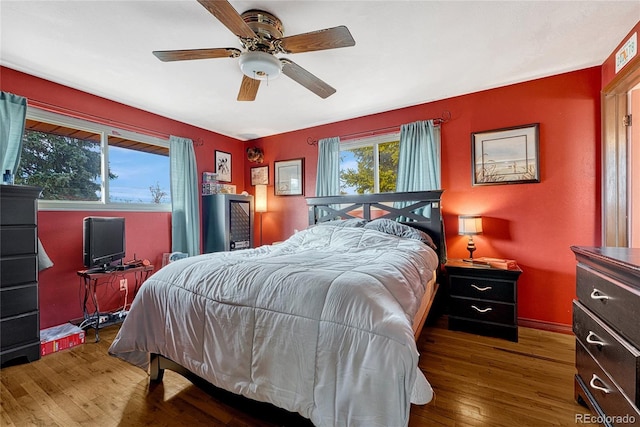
(248, 89)
(306, 79)
(183, 55)
(229, 17)
(329, 38)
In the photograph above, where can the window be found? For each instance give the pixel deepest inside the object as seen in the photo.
(87, 166)
(369, 165)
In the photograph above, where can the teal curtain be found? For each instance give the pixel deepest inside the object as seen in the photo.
(13, 112)
(419, 157)
(328, 175)
(185, 211)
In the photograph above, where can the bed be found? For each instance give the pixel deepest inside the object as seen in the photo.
(323, 324)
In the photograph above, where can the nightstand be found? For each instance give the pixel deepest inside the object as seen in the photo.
(483, 300)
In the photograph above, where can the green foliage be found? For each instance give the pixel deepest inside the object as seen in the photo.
(66, 168)
(362, 178)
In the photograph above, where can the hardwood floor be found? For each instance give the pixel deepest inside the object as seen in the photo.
(478, 381)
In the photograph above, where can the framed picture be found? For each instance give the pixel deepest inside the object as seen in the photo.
(506, 156)
(260, 175)
(223, 166)
(289, 175)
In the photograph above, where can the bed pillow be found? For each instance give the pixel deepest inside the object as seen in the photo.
(401, 230)
(350, 222)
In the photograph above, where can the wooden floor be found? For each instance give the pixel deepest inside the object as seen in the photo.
(478, 381)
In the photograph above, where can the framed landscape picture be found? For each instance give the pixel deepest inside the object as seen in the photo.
(223, 166)
(506, 156)
(289, 175)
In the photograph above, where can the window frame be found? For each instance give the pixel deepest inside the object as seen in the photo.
(34, 113)
(371, 141)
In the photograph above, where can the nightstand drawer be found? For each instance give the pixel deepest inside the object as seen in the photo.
(486, 289)
(617, 357)
(617, 304)
(486, 311)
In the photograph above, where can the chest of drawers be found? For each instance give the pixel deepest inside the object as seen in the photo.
(606, 323)
(19, 314)
(483, 300)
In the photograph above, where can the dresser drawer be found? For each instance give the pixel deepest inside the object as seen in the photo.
(18, 270)
(615, 355)
(18, 300)
(19, 330)
(486, 289)
(18, 208)
(487, 311)
(612, 401)
(19, 240)
(617, 304)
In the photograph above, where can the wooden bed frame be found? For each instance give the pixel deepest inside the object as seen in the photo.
(369, 206)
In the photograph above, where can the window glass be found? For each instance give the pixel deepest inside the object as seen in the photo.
(137, 175)
(85, 165)
(64, 166)
(369, 165)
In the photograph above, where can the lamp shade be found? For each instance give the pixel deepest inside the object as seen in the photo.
(469, 224)
(261, 198)
(260, 65)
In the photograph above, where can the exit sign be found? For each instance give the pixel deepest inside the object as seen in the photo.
(627, 52)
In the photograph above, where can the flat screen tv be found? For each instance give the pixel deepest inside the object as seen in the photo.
(103, 242)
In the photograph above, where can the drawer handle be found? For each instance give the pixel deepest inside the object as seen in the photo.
(602, 388)
(486, 288)
(597, 295)
(481, 310)
(592, 338)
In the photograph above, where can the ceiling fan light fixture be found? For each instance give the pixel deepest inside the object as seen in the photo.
(260, 65)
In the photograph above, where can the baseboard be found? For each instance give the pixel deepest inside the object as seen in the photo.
(545, 326)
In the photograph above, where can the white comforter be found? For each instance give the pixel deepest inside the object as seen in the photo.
(320, 324)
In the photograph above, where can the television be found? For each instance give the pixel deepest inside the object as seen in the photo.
(103, 242)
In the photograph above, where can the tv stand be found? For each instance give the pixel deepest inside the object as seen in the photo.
(95, 277)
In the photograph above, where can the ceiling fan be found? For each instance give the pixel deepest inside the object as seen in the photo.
(261, 35)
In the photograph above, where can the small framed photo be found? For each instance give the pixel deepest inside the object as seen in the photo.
(260, 175)
(223, 166)
(506, 156)
(289, 176)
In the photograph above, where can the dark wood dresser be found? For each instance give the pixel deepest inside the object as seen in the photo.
(483, 300)
(606, 322)
(19, 314)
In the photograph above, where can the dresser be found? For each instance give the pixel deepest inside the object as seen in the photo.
(19, 315)
(483, 300)
(606, 323)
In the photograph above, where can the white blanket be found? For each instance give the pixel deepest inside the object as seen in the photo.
(319, 325)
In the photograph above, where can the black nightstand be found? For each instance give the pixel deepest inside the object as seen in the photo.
(483, 299)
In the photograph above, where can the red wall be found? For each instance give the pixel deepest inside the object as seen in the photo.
(148, 234)
(532, 223)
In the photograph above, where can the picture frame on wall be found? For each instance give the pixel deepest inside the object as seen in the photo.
(289, 177)
(260, 175)
(506, 156)
(223, 166)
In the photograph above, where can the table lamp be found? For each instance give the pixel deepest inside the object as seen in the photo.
(470, 225)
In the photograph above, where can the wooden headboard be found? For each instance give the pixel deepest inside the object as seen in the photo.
(384, 205)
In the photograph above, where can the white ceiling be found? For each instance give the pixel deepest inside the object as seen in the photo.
(406, 53)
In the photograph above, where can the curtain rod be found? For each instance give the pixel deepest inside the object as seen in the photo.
(445, 117)
(81, 115)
